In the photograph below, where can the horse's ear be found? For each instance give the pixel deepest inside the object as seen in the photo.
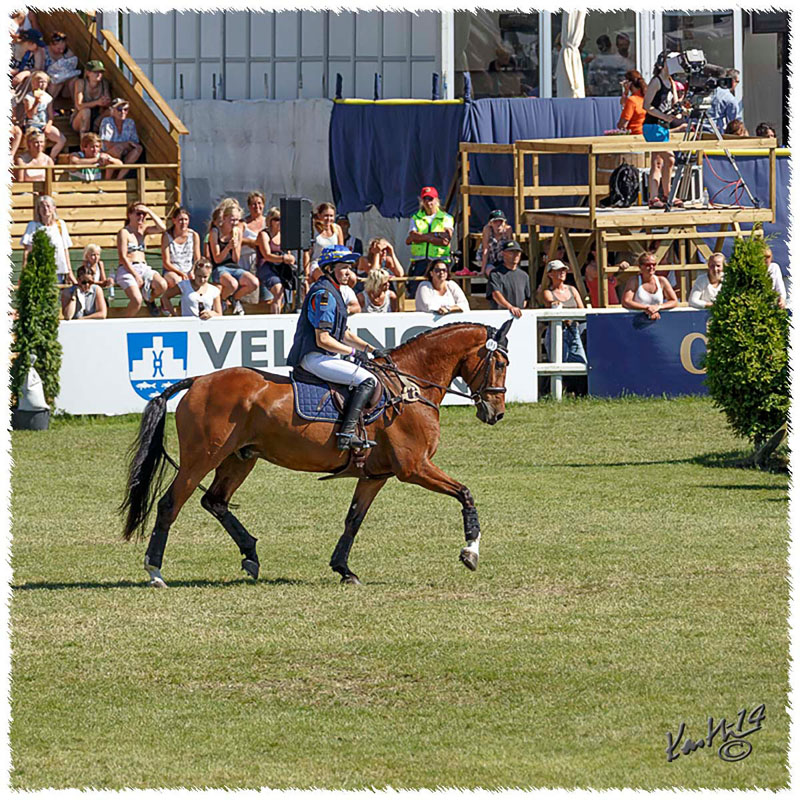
(500, 336)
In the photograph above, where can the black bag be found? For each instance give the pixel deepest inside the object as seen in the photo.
(624, 187)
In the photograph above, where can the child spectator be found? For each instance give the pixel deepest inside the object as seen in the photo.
(61, 64)
(28, 58)
(199, 298)
(119, 135)
(39, 112)
(180, 250)
(377, 296)
(495, 234)
(437, 294)
(84, 300)
(90, 159)
(34, 156)
(91, 97)
(274, 268)
(46, 218)
(97, 269)
(706, 287)
(224, 247)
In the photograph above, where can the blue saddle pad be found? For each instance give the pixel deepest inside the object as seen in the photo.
(314, 402)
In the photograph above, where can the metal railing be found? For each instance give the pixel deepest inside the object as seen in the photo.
(556, 367)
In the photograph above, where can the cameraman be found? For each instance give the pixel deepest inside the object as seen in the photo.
(660, 99)
(725, 108)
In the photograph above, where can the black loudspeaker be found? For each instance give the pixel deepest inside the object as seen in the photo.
(297, 231)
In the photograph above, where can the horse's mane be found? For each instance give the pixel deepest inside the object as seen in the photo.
(490, 331)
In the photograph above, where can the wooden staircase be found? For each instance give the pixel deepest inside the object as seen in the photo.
(94, 212)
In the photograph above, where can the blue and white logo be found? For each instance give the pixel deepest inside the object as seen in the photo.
(156, 361)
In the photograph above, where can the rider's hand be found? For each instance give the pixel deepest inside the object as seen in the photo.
(361, 357)
(380, 352)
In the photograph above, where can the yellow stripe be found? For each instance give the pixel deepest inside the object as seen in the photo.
(780, 151)
(398, 102)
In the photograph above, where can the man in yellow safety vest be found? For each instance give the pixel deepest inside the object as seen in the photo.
(429, 235)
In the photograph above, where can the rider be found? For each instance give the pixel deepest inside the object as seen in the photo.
(322, 341)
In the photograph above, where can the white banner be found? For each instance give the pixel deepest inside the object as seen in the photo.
(115, 366)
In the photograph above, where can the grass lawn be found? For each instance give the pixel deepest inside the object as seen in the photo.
(629, 581)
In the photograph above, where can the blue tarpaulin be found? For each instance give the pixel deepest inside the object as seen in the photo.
(382, 155)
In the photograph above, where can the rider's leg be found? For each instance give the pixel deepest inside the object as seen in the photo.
(336, 370)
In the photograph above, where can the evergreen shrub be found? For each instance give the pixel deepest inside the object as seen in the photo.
(36, 328)
(747, 361)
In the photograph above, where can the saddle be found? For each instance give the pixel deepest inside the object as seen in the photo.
(317, 400)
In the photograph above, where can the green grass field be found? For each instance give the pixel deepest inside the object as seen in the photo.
(630, 580)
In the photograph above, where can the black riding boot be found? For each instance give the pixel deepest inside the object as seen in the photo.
(346, 438)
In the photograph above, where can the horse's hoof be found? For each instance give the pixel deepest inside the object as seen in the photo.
(157, 582)
(352, 580)
(469, 558)
(250, 567)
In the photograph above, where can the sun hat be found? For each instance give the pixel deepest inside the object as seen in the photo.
(556, 264)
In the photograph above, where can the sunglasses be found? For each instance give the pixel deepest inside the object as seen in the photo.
(86, 283)
(443, 271)
(140, 213)
(58, 38)
(121, 109)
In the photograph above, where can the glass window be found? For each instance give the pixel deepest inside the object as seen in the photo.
(711, 32)
(608, 50)
(500, 50)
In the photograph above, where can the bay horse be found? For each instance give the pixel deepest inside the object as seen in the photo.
(229, 419)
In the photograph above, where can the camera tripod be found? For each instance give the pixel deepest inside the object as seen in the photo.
(684, 158)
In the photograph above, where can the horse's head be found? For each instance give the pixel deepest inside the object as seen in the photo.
(484, 370)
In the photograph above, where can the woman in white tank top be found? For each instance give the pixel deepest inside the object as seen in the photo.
(647, 291)
(328, 233)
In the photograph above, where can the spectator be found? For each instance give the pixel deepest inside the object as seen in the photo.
(38, 104)
(328, 233)
(377, 296)
(15, 140)
(34, 156)
(252, 225)
(199, 297)
(29, 59)
(429, 235)
(623, 44)
(225, 249)
(90, 160)
(724, 106)
(775, 275)
(560, 295)
(766, 130)
(180, 249)
(61, 64)
(274, 267)
(647, 291)
(93, 262)
(632, 100)
(660, 98)
(46, 218)
(84, 300)
(135, 276)
(91, 97)
(705, 289)
(736, 128)
(605, 69)
(353, 244)
(437, 294)
(119, 135)
(495, 234)
(509, 287)
(590, 278)
(380, 255)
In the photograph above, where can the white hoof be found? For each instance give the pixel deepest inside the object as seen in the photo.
(154, 573)
(469, 555)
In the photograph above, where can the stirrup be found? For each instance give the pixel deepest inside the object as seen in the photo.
(349, 441)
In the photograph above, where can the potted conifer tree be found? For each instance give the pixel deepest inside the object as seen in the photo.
(35, 336)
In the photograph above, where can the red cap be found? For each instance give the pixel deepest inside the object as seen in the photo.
(429, 191)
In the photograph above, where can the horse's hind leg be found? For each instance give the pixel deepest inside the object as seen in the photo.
(169, 506)
(229, 477)
(365, 493)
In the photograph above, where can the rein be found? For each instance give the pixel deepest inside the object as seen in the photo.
(486, 364)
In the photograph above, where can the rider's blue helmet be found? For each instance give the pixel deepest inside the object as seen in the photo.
(336, 254)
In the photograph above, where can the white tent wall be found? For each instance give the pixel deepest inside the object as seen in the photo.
(277, 146)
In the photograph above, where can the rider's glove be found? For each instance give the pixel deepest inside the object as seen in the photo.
(361, 357)
(380, 352)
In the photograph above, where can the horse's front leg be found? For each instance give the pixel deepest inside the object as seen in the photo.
(433, 478)
(365, 493)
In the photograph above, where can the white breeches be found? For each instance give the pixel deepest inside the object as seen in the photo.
(334, 369)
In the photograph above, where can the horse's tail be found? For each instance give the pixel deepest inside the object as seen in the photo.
(147, 462)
